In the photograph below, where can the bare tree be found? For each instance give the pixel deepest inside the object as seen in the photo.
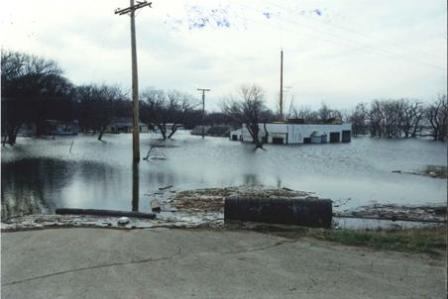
(411, 115)
(437, 115)
(327, 114)
(248, 109)
(32, 89)
(166, 111)
(395, 118)
(358, 118)
(98, 106)
(385, 118)
(12, 120)
(324, 112)
(305, 113)
(392, 118)
(376, 119)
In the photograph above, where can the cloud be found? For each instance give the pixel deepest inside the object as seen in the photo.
(342, 52)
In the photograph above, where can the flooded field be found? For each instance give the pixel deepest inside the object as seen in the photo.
(80, 172)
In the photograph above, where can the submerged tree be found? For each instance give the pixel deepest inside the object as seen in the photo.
(166, 111)
(98, 106)
(395, 118)
(248, 109)
(437, 115)
(358, 118)
(412, 113)
(33, 90)
(324, 114)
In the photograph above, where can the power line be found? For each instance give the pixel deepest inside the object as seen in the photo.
(338, 38)
(344, 28)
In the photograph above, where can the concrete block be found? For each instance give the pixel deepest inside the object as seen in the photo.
(304, 212)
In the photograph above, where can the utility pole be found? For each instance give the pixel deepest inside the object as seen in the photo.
(203, 109)
(281, 84)
(136, 128)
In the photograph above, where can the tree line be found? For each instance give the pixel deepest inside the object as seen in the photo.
(401, 118)
(35, 90)
(391, 118)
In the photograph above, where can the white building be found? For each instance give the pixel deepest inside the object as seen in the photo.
(290, 133)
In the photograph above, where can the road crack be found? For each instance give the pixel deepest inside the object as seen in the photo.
(276, 244)
(141, 261)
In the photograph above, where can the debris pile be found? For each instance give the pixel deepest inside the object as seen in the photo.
(205, 207)
(419, 213)
(212, 199)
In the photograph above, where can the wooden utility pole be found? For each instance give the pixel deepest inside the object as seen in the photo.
(281, 84)
(135, 120)
(203, 109)
(135, 186)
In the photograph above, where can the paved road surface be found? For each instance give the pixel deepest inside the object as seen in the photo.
(100, 263)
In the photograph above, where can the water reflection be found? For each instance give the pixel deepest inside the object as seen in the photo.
(250, 179)
(31, 186)
(279, 182)
(135, 186)
(42, 174)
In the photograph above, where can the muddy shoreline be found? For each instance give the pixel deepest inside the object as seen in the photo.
(205, 207)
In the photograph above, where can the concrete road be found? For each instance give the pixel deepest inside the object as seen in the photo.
(100, 263)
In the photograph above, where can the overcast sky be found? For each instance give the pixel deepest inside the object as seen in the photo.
(337, 52)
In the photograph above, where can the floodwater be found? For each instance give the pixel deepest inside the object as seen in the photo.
(80, 172)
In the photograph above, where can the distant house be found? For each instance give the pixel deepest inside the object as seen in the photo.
(297, 133)
(50, 128)
(219, 131)
(216, 131)
(61, 128)
(27, 130)
(199, 129)
(124, 125)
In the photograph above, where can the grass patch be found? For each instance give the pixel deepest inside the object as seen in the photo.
(418, 240)
(432, 240)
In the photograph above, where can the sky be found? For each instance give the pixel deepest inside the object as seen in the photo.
(335, 52)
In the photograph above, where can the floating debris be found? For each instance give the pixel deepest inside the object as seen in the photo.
(166, 187)
(155, 205)
(123, 220)
(417, 213)
(205, 208)
(434, 171)
(112, 213)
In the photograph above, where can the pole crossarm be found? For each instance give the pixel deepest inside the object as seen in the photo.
(140, 4)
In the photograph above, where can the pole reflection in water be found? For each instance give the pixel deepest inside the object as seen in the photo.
(135, 186)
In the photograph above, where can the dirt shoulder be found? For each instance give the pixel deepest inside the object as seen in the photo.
(173, 263)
